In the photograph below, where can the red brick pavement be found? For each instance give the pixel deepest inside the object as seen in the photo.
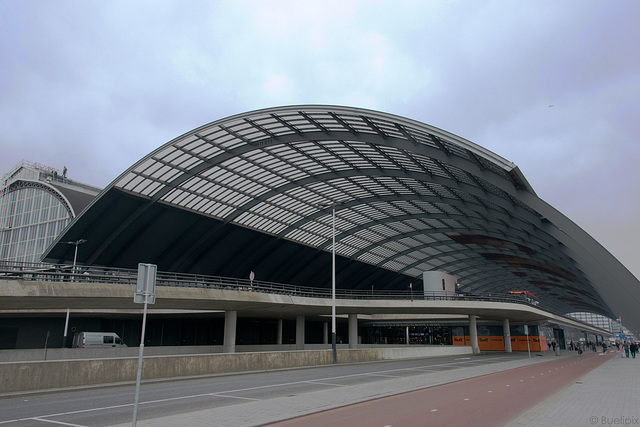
(489, 400)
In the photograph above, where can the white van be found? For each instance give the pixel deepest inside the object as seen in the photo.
(97, 339)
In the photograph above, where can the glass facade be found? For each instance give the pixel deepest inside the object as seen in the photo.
(34, 209)
(31, 216)
(612, 325)
(596, 320)
(398, 333)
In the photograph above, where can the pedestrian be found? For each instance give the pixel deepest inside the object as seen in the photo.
(626, 349)
(634, 349)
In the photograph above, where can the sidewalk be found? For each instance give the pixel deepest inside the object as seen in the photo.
(608, 395)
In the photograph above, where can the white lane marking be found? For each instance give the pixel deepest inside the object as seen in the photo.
(232, 397)
(325, 383)
(60, 414)
(384, 376)
(58, 422)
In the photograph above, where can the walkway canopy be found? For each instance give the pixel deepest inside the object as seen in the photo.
(256, 192)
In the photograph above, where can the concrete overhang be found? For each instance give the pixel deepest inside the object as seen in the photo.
(46, 296)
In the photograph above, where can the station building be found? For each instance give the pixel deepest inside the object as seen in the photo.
(36, 203)
(272, 194)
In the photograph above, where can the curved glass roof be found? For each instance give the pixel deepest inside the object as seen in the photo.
(408, 198)
(400, 189)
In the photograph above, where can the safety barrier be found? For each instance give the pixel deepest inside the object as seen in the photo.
(55, 374)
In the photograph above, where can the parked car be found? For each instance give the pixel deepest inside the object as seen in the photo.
(97, 339)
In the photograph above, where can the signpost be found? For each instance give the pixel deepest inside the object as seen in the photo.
(145, 294)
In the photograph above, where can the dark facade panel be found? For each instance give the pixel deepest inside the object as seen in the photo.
(181, 241)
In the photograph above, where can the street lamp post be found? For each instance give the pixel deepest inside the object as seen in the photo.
(333, 277)
(333, 285)
(76, 243)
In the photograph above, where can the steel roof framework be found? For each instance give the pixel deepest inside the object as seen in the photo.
(409, 198)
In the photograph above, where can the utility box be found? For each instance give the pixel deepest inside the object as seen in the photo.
(439, 283)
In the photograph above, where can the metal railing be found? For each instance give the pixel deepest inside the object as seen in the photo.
(119, 276)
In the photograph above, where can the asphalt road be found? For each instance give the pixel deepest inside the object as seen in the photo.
(113, 405)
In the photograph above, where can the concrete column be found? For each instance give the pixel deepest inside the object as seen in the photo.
(506, 332)
(406, 335)
(325, 333)
(473, 332)
(230, 323)
(353, 331)
(279, 333)
(300, 333)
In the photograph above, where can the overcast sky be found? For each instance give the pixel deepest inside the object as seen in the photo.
(553, 86)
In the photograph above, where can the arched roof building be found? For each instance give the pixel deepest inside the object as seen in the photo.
(256, 191)
(36, 204)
